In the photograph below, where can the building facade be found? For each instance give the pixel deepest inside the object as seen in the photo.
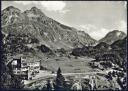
(25, 68)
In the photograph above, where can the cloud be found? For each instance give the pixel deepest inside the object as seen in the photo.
(53, 5)
(98, 33)
(125, 4)
(93, 31)
(87, 27)
(26, 2)
(123, 26)
(56, 6)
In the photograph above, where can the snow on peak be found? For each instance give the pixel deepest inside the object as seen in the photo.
(118, 33)
(45, 33)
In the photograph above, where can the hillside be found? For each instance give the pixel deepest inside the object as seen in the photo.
(113, 36)
(33, 27)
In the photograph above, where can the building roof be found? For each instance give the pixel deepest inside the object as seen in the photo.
(28, 58)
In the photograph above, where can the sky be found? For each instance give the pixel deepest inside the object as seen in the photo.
(96, 18)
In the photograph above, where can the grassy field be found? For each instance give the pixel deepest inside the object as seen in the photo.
(68, 65)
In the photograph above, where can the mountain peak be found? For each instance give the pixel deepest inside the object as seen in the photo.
(115, 31)
(10, 15)
(11, 8)
(113, 36)
(35, 10)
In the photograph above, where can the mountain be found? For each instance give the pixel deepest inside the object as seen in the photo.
(113, 36)
(120, 44)
(102, 45)
(34, 25)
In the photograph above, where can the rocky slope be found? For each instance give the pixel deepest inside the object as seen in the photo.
(113, 36)
(33, 24)
(120, 44)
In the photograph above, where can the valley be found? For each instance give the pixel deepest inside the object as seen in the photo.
(72, 65)
(41, 53)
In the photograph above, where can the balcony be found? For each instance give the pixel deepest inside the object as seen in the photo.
(15, 71)
(24, 69)
(19, 72)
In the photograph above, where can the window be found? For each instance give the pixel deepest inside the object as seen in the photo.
(18, 72)
(24, 64)
(36, 67)
(14, 62)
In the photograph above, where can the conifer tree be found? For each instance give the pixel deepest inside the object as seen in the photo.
(60, 81)
(49, 87)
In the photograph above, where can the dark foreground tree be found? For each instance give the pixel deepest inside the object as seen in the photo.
(60, 81)
(49, 86)
(6, 79)
(16, 82)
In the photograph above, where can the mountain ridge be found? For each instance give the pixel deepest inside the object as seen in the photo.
(36, 24)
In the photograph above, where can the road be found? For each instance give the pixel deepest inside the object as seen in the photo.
(49, 75)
